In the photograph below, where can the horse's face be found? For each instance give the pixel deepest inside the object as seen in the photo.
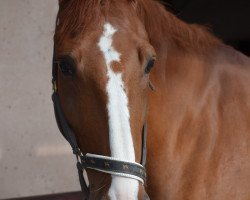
(103, 81)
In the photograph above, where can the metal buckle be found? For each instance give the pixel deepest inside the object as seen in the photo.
(78, 154)
(54, 86)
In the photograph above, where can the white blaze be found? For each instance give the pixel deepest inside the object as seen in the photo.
(120, 137)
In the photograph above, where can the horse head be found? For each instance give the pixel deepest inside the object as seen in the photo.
(103, 60)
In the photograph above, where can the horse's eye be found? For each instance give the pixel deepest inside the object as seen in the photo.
(149, 66)
(67, 66)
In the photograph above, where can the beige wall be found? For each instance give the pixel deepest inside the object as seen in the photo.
(34, 158)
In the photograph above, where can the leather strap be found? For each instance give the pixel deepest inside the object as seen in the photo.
(63, 125)
(144, 146)
(114, 166)
(84, 187)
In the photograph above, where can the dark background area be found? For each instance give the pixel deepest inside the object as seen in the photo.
(228, 19)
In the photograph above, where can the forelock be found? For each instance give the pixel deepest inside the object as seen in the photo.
(75, 16)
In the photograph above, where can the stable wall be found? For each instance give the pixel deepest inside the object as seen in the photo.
(34, 157)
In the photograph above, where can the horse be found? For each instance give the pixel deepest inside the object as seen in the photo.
(124, 64)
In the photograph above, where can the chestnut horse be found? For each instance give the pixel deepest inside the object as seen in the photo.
(198, 116)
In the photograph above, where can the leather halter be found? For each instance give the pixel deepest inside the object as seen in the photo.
(105, 164)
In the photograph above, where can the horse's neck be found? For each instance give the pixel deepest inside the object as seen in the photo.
(195, 87)
(181, 76)
(177, 44)
(185, 55)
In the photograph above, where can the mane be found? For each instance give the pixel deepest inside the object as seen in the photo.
(160, 24)
(75, 16)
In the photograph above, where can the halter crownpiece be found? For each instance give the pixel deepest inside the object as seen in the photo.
(105, 164)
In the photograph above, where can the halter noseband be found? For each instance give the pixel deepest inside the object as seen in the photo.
(105, 164)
